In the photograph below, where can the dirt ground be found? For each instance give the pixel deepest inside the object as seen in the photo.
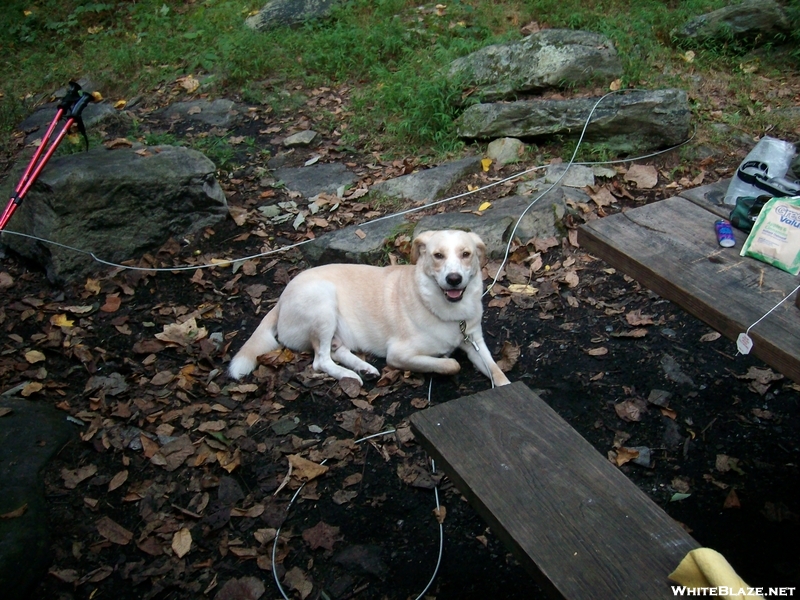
(179, 477)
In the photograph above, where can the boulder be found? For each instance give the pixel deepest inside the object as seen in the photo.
(636, 121)
(368, 243)
(546, 59)
(750, 20)
(95, 114)
(279, 13)
(30, 434)
(505, 151)
(116, 204)
(216, 113)
(320, 178)
(427, 185)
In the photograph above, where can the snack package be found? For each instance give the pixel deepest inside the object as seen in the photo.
(775, 237)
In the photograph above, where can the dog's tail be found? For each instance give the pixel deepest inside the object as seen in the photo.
(262, 341)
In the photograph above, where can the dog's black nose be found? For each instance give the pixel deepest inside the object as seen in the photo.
(453, 279)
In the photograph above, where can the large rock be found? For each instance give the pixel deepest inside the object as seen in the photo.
(29, 436)
(368, 243)
(95, 114)
(279, 13)
(546, 59)
(217, 113)
(633, 122)
(752, 19)
(117, 204)
(320, 178)
(372, 242)
(428, 184)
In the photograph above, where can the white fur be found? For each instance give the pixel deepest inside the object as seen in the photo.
(400, 312)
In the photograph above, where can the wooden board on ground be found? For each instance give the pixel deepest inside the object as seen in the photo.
(671, 247)
(574, 520)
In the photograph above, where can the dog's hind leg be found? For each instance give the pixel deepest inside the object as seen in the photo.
(322, 357)
(319, 327)
(343, 356)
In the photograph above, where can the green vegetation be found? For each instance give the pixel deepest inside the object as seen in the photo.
(389, 52)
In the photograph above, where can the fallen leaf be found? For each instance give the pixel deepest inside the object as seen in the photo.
(639, 332)
(117, 480)
(630, 410)
(72, 477)
(440, 512)
(266, 535)
(710, 337)
(182, 542)
(601, 351)
(31, 388)
(65, 575)
(182, 334)
(246, 588)
(625, 455)
(509, 356)
(188, 83)
(113, 531)
(725, 463)
(61, 321)
(322, 535)
(297, 580)
(304, 469)
(485, 164)
(680, 484)
(644, 176)
(15, 514)
(251, 513)
(603, 197)
(635, 318)
(112, 304)
(524, 289)
(34, 356)
(732, 500)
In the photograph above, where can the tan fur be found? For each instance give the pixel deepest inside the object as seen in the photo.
(400, 312)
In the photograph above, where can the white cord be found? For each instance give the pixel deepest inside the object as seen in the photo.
(772, 309)
(297, 493)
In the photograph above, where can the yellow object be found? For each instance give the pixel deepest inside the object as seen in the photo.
(485, 206)
(486, 163)
(707, 568)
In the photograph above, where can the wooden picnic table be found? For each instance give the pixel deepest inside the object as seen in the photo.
(671, 247)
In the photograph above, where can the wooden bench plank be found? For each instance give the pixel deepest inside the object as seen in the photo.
(670, 247)
(574, 520)
(710, 197)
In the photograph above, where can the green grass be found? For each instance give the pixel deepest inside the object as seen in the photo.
(390, 52)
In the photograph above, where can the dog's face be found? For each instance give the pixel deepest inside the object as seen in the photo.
(452, 258)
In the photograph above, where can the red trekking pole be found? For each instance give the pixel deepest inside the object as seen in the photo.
(70, 107)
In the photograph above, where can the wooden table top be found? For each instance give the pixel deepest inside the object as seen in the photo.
(671, 247)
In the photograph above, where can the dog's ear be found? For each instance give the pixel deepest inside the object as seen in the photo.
(480, 247)
(418, 245)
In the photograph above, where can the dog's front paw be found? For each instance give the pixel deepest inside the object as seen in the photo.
(370, 373)
(449, 366)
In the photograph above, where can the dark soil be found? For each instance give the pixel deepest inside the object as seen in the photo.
(366, 528)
